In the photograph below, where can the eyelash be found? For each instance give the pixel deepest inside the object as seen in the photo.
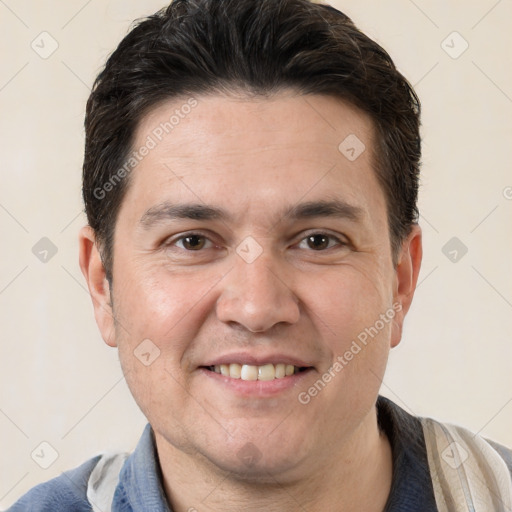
(337, 241)
(331, 237)
(188, 235)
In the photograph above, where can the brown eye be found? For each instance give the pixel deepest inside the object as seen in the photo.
(318, 242)
(193, 242)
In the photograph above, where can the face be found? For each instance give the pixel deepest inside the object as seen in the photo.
(251, 244)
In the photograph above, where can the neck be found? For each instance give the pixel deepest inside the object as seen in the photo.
(355, 475)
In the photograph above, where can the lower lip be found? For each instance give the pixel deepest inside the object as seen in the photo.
(258, 388)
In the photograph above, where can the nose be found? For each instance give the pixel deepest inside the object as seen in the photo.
(256, 296)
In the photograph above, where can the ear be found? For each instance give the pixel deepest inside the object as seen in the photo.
(406, 275)
(94, 273)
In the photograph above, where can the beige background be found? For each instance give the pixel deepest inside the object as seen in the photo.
(60, 384)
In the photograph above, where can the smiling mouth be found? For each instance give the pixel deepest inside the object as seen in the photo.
(251, 372)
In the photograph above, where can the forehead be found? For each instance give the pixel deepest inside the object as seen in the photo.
(252, 122)
(284, 148)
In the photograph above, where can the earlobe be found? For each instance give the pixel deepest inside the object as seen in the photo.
(99, 288)
(407, 271)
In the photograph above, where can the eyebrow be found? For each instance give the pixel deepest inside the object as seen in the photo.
(168, 211)
(195, 211)
(333, 208)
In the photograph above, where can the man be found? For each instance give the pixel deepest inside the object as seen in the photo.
(250, 180)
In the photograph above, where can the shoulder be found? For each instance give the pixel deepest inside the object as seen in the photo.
(65, 493)
(453, 436)
(414, 428)
(463, 464)
(504, 452)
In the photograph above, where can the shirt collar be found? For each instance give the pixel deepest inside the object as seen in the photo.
(411, 486)
(140, 481)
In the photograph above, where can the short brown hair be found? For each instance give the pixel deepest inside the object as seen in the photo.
(259, 47)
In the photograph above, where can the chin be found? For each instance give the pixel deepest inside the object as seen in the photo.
(250, 465)
(258, 457)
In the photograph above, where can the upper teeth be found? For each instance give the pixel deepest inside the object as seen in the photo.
(250, 372)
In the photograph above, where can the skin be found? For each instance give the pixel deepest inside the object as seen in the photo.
(255, 159)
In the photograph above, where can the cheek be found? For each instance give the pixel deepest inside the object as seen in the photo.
(346, 302)
(163, 305)
(158, 316)
(354, 318)
(157, 389)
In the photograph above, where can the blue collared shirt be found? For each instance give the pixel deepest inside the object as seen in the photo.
(140, 480)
